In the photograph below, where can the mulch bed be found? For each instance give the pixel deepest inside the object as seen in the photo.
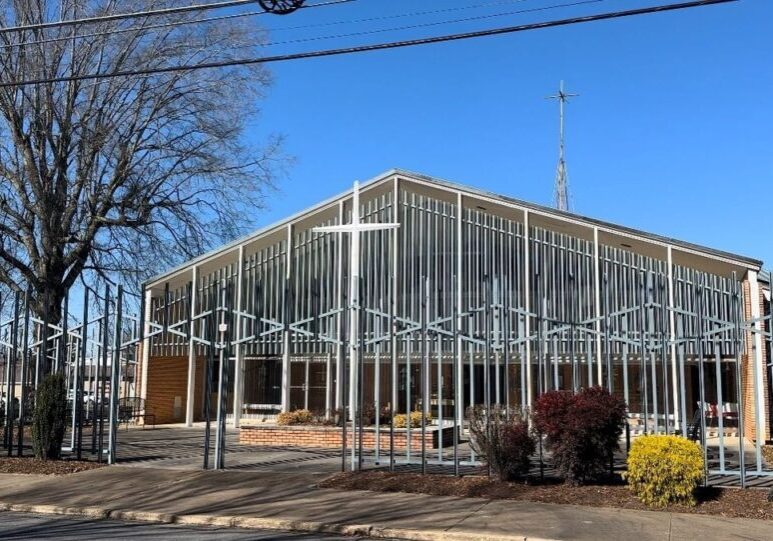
(726, 502)
(29, 465)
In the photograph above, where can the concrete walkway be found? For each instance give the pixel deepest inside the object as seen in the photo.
(180, 448)
(291, 501)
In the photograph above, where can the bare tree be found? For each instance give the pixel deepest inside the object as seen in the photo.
(123, 175)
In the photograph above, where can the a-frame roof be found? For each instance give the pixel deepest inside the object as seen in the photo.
(567, 222)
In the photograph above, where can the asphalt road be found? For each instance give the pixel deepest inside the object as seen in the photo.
(32, 527)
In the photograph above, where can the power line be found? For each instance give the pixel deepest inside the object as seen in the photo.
(321, 38)
(162, 25)
(378, 46)
(133, 15)
(402, 15)
(435, 23)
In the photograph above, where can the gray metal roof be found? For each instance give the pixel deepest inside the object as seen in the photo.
(469, 190)
(590, 221)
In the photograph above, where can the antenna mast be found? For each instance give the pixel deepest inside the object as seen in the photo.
(562, 182)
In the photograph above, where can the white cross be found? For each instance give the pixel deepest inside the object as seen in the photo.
(355, 228)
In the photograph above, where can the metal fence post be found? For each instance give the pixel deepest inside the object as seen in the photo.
(24, 372)
(115, 377)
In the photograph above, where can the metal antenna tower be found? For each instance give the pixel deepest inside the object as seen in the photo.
(562, 181)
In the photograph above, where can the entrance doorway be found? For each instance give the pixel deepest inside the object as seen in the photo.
(308, 378)
(262, 384)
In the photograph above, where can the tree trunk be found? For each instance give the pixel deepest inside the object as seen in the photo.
(46, 303)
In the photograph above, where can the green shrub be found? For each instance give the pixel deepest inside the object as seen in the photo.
(49, 417)
(401, 419)
(297, 417)
(664, 470)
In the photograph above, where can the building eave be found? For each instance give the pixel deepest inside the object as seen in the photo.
(465, 190)
(266, 230)
(752, 263)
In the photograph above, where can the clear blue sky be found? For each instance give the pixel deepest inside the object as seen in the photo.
(671, 134)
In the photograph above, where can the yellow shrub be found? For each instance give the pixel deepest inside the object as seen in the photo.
(416, 418)
(297, 417)
(401, 419)
(303, 417)
(664, 470)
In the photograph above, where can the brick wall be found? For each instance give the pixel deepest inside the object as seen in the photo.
(330, 437)
(748, 380)
(167, 380)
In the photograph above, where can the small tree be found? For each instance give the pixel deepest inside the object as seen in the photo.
(49, 418)
(503, 438)
(582, 431)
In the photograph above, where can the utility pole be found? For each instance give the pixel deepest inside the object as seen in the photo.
(562, 182)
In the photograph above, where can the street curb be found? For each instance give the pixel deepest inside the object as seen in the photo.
(367, 530)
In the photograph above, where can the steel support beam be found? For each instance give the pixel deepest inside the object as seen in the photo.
(191, 387)
(238, 392)
(527, 265)
(286, 333)
(758, 360)
(115, 377)
(678, 413)
(459, 383)
(354, 297)
(341, 316)
(597, 306)
(393, 354)
(146, 343)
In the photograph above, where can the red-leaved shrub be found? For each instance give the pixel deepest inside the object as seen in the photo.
(502, 437)
(582, 431)
(518, 446)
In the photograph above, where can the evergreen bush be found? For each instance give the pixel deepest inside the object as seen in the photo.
(49, 417)
(664, 470)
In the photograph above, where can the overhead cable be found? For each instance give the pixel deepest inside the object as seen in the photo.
(377, 46)
(158, 26)
(133, 15)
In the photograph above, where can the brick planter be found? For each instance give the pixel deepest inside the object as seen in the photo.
(330, 436)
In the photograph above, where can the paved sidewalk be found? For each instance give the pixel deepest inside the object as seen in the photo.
(291, 501)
